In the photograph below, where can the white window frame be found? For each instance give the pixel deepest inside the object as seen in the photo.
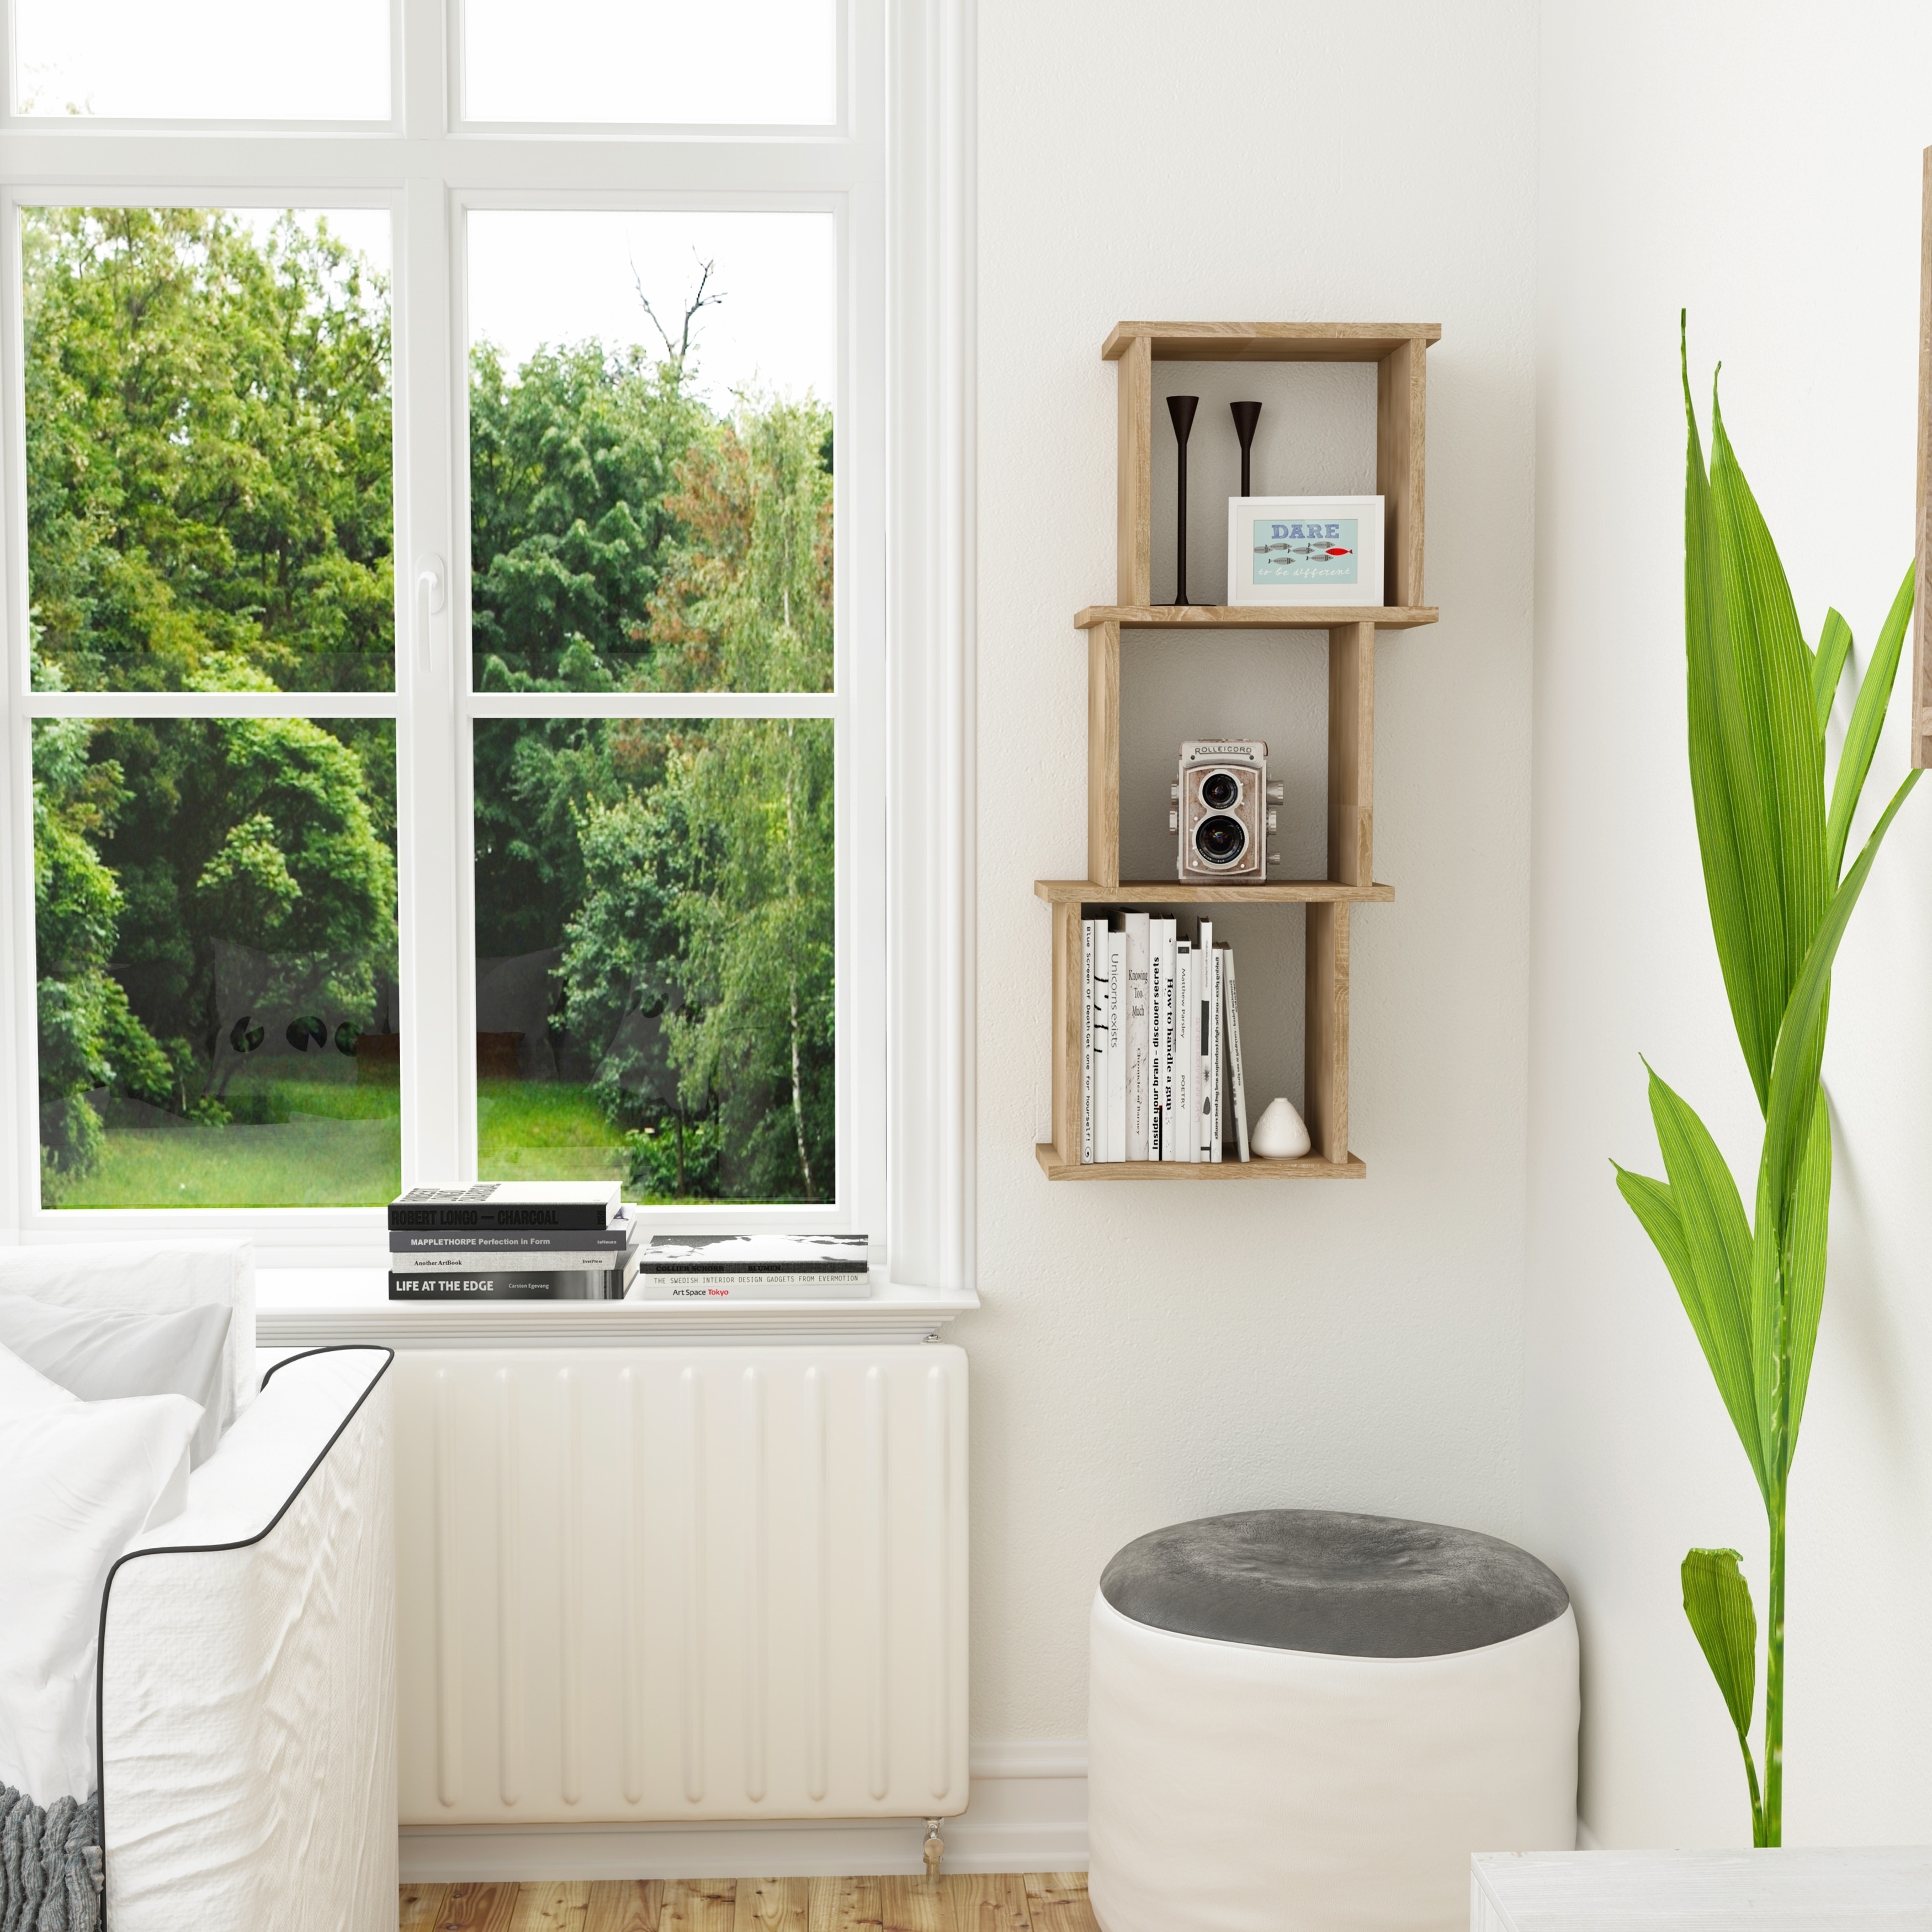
(892, 171)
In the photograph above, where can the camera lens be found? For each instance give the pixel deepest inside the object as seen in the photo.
(1219, 791)
(1220, 841)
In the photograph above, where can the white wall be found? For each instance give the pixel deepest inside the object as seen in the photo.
(1149, 1352)
(1761, 164)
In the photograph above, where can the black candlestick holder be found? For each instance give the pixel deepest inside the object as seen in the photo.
(1181, 410)
(1245, 415)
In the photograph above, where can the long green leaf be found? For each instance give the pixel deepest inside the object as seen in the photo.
(1718, 1601)
(1804, 1260)
(1868, 719)
(1717, 1242)
(1740, 878)
(1801, 1039)
(1652, 1203)
(1834, 645)
(1774, 676)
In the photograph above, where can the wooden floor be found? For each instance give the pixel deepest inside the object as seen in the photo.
(1029, 1902)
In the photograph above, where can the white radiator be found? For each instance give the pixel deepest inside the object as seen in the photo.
(645, 1584)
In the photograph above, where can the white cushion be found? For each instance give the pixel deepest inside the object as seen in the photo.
(150, 1278)
(81, 1479)
(23, 1386)
(103, 1353)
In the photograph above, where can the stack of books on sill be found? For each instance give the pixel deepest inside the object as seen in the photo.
(753, 1267)
(1160, 1042)
(539, 1241)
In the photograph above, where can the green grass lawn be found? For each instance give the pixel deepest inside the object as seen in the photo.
(544, 1130)
(336, 1145)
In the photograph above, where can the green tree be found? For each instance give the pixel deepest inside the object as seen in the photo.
(208, 451)
(254, 872)
(89, 1037)
(571, 469)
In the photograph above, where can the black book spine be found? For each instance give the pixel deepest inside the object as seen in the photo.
(470, 1241)
(510, 1285)
(575, 1215)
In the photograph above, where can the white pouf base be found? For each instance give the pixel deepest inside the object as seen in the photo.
(1233, 1788)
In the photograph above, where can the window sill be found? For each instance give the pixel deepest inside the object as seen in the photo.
(306, 1308)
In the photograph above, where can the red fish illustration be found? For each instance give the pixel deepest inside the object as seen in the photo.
(1339, 552)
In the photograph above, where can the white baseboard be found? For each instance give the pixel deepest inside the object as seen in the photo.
(1026, 1811)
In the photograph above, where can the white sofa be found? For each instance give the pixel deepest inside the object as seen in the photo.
(246, 1677)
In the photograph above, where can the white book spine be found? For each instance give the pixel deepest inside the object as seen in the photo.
(1103, 1042)
(1170, 1141)
(1120, 1005)
(1087, 1087)
(1240, 1095)
(1140, 1078)
(1156, 1034)
(1217, 1034)
(1187, 1063)
(1204, 1033)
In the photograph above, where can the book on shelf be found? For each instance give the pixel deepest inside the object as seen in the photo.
(1169, 955)
(1216, 1084)
(1204, 994)
(1238, 1092)
(499, 1206)
(1089, 1087)
(506, 1282)
(750, 1267)
(1139, 1085)
(1162, 1076)
(1117, 1004)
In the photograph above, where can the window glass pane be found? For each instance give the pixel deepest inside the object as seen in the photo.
(214, 906)
(755, 62)
(243, 60)
(208, 449)
(651, 450)
(654, 968)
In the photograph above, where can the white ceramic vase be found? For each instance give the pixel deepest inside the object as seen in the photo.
(1279, 1134)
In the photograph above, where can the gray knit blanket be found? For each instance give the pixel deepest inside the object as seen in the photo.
(50, 1864)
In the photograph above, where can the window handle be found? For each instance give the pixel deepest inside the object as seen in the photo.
(432, 595)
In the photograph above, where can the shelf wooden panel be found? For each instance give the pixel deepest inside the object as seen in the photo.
(1310, 1167)
(1268, 341)
(1253, 616)
(1170, 892)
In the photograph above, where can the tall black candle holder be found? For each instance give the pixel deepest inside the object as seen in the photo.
(1181, 410)
(1245, 415)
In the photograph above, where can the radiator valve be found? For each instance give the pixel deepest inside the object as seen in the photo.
(935, 1848)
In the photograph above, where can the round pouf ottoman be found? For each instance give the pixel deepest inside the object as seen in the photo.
(1304, 1721)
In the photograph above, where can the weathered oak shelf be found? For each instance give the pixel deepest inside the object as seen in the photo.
(1170, 892)
(1250, 617)
(1309, 1167)
(1398, 349)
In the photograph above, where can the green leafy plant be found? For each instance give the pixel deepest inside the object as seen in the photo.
(1780, 897)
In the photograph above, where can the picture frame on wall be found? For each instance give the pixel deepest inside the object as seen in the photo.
(1305, 549)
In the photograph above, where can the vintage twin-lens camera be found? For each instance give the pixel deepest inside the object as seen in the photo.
(1221, 809)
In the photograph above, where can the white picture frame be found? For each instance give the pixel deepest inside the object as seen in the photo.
(1320, 551)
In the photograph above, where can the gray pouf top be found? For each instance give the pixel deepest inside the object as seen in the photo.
(1340, 1584)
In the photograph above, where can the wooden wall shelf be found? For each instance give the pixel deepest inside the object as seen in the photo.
(1249, 616)
(1309, 1167)
(1170, 892)
(1399, 350)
